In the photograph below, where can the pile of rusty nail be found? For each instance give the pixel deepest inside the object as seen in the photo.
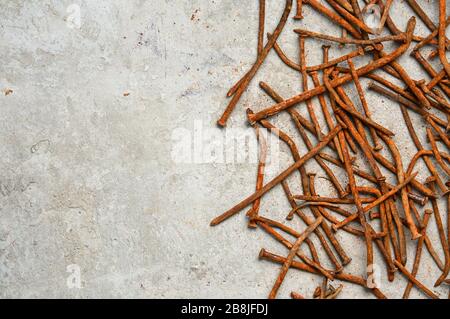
(385, 216)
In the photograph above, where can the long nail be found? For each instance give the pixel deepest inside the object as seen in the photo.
(372, 42)
(418, 255)
(373, 133)
(288, 262)
(412, 279)
(264, 254)
(259, 61)
(441, 232)
(299, 13)
(333, 17)
(304, 75)
(377, 202)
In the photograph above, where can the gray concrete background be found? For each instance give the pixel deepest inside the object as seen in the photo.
(88, 175)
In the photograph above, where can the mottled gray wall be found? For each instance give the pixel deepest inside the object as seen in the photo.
(89, 179)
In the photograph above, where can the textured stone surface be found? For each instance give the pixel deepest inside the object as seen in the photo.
(89, 178)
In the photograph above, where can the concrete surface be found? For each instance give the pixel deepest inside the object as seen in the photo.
(96, 200)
